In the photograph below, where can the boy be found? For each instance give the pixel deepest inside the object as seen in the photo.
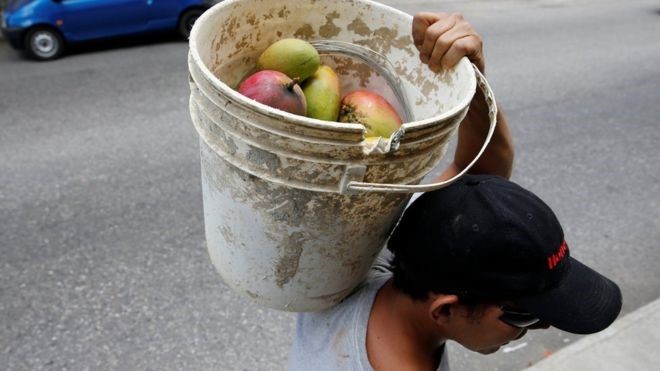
(479, 262)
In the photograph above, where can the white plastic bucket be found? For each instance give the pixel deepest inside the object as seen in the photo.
(296, 209)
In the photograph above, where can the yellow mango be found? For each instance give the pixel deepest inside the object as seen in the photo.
(322, 94)
(296, 58)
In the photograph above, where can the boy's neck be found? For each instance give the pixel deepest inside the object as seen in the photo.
(401, 333)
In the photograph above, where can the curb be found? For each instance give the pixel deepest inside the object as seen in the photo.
(630, 343)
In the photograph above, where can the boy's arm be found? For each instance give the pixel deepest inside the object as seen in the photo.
(443, 39)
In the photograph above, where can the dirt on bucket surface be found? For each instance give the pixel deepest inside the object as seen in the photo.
(330, 30)
(287, 267)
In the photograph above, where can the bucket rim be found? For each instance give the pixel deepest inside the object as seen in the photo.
(261, 108)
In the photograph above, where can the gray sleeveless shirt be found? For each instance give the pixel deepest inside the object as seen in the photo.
(336, 339)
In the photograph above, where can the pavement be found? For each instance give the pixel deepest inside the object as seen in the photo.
(630, 344)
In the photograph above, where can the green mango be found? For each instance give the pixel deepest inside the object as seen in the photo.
(322, 94)
(296, 58)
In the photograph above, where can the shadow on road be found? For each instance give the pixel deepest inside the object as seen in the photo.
(121, 43)
(98, 45)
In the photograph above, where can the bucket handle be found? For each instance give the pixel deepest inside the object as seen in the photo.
(352, 186)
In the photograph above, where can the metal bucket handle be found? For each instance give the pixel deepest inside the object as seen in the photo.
(376, 61)
(352, 186)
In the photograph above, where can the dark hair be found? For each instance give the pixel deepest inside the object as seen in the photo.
(418, 287)
(413, 286)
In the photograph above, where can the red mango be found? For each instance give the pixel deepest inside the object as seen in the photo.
(275, 89)
(371, 110)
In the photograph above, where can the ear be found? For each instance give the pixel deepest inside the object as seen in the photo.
(442, 307)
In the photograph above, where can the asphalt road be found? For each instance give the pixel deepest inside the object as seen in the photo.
(101, 230)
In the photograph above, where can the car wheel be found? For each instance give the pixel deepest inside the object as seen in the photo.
(187, 21)
(44, 44)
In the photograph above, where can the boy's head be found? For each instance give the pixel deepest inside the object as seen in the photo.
(485, 239)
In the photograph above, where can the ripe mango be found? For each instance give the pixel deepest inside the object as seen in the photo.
(322, 94)
(294, 57)
(371, 110)
(275, 89)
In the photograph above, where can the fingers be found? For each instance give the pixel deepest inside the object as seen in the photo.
(461, 46)
(446, 44)
(443, 39)
(421, 21)
(432, 33)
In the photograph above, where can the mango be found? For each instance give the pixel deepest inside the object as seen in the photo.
(294, 57)
(275, 89)
(371, 110)
(322, 94)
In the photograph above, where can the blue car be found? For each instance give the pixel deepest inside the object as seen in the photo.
(44, 27)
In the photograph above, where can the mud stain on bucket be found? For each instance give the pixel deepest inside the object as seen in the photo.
(244, 42)
(261, 157)
(359, 27)
(227, 234)
(381, 40)
(228, 30)
(284, 12)
(304, 32)
(330, 30)
(251, 294)
(349, 67)
(287, 267)
(387, 35)
(219, 138)
(252, 19)
(284, 207)
(216, 44)
(403, 43)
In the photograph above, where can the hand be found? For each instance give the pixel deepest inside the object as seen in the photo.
(443, 39)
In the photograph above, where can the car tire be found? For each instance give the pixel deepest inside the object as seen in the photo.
(44, 44)
(187, 20)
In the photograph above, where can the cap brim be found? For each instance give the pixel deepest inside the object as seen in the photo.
(586, 302)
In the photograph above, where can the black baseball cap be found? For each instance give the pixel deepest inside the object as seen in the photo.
(486, 237)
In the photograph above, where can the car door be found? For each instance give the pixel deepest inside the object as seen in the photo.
(90, 19)
(164, 13)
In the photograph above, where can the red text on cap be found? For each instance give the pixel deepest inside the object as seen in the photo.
(558, 256)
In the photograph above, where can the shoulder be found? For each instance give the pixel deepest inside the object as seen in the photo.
(334, 339)
(350, 308)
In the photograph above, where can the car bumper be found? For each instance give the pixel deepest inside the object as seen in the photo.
(14, 36)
